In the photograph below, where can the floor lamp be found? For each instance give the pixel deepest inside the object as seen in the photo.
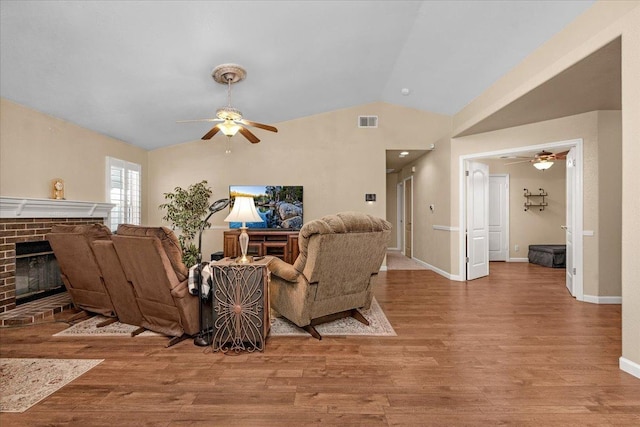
(202, 340)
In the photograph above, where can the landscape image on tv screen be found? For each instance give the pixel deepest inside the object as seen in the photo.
(280, 206)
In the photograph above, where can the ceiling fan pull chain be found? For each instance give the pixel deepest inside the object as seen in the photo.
(228, 148)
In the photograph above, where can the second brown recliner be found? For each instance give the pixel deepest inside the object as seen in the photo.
(151, 259)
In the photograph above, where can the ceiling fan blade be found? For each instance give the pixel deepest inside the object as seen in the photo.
(258, 125)
(521, 161)
(247, 134)
(198, 120)
(212, 132)
(561, 155)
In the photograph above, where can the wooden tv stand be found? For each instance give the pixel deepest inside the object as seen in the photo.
(277, 243)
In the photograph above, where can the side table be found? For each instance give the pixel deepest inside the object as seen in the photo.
(240, 305)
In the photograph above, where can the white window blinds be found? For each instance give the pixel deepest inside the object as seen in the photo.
(124, 187)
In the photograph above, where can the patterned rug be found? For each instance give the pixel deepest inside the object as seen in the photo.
(25, 382)
(88, 328)
(378, 325)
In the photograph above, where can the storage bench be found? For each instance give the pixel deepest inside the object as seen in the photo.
(548, 255)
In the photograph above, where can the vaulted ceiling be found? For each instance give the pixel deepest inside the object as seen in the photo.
(130, 70)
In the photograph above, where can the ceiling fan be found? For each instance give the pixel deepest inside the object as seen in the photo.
(231, 120)
(542, 160)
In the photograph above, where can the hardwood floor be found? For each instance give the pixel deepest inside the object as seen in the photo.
(513, 348)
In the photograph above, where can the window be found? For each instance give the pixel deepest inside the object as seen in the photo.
(124, 185)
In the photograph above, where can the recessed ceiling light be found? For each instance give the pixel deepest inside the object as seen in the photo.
(404, 153)
(405, 91)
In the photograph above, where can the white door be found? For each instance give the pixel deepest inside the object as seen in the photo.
(477, 220)
(570, 220)
(498, 217)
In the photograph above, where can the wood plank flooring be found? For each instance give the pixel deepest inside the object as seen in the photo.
(513, 348)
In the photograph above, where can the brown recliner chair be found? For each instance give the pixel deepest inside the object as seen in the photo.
(121, 291)
(152, 262)
(79, 269)
(333, 276)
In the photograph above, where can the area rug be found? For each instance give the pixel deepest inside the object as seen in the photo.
(25, 382)
(88, 328)
(378, 325)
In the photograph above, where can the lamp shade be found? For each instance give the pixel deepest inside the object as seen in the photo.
(244, 210)
(543, 164)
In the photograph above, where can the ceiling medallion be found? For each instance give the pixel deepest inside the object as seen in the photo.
(228, 73)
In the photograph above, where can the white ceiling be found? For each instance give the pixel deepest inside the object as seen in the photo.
(131, 69)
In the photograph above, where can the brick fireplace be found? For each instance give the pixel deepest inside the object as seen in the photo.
(29, 220)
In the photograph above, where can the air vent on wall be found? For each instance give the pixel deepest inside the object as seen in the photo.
(367, 121)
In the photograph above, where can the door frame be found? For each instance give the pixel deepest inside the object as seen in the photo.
(400, 216)
(506, 209)
(404, 215)
(579, 191)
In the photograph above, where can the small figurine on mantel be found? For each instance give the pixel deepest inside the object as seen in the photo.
(57, 188)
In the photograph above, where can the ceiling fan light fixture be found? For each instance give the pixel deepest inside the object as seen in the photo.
(543, 165)
(229, 128)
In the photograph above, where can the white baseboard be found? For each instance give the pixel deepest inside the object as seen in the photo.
(595, 299)
(437, 270)
(383, 268)
(630, 367)
(394, 249)
(518, 260)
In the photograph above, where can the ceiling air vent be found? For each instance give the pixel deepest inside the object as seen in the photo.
(367, 121)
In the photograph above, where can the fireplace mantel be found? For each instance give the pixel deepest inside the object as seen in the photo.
(21, 207)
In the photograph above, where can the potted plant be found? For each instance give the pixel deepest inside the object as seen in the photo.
(186, 210)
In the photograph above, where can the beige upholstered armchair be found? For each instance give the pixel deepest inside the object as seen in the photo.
(340, 256)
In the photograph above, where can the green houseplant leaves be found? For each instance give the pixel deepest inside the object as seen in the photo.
(185, 210)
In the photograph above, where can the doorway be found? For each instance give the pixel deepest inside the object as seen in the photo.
(404, 227)
(575, 204)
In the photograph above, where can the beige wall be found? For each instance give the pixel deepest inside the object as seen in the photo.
(598, 179)
(533, 227)
(36, 148)
(581, 126)
(604, 22)
(630, 28)
(430, 187)
(609, 225)
(335, 161)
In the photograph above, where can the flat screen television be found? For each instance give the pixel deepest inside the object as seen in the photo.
(280, 206)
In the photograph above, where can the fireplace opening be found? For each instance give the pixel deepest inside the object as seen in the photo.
(37, 272)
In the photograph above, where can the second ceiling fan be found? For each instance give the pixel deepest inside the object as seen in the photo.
(231, 120)
(542, 160)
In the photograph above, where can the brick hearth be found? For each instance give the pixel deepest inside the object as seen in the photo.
(41, 310)
(13, 230)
